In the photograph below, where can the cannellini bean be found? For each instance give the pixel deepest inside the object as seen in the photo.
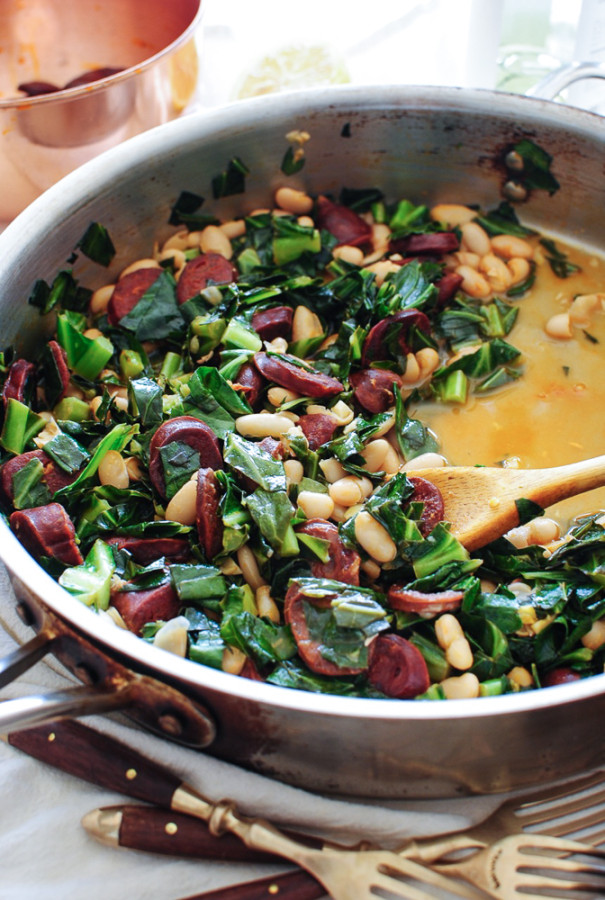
(508, 246)
(521, 677)
(584, 306)
(233, 660)
(234, 228)
(182, 507)
(140, 264)
(316, 505)
(452, 214)
(172, 636)
(461, 687)
(371, 569)
(459, 654)
(519, 537)
(424, 461)
(112, 614)
(342, 413)
(559, 326)
(353, 255)
(133, 467)
(261, 425)
(265, 604)
(332, 469)
(447, 630)
(412, 370)
(466, 258)
(278, 395)
(100, 298)
(595, 638)
(381, 269)
(246, 560)
(177, 241)
(339, 513)
(306, 221)
(92, 333)
(112, 470)
(50, 430)
(294, 470)
(348, 491)
(543, 530)
(293, 201)
(475, 238)
(278, 345)
(473, 283)
(380, 456)
(519, 269)
(214, 240)
(305, 324)
(381, 234)
(374, 538)
(177, 256)
(496, 272)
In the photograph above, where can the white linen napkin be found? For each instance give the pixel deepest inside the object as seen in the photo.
(46, 854)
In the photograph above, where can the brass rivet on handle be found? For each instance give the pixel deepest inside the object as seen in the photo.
(131, 774)
(273, 889)
(170, 724)
(171, 828)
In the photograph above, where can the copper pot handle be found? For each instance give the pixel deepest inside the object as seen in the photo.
(108, 686)
(552, 84)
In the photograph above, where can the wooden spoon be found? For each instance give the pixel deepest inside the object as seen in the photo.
(480, 501)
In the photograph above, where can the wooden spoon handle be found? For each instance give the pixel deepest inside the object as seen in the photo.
(548, 486)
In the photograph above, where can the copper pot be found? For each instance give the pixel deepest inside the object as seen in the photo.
(150, 44)
(424, 143)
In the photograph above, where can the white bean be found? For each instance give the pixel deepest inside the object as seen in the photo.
(234, 228)
(424, 461)
(461, 687)
(278, 395)
(452, 214)
(261, 425)
(246, 560)
(475, 238)
(412, 370)
(100, 299)
(316, 505)
(595, 638)
(447, 630)
(265, 604)
(520, 676)
(381, 269)
(348, 491)
(459, 654)
(294, 470)
(233, 660)
(496, 271)
(305, 324)
(508, 246)
(214, 240)
(182, 507)
(559, 326)
(374, 538)
(519, 269)
(353, 255)
(583, 307)
(140, 264)
(381, 234)
(332, 469)
(473, 283)
(293, 201)
(172, 636)
(177, 241)
(112, 470)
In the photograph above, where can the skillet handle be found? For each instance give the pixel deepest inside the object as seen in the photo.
(28, 712)
(552, 84)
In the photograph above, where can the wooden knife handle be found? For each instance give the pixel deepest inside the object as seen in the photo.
(156, 830)
(296, 885)
(98, 758)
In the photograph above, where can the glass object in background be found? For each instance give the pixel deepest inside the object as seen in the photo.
(537, 37)
(590, 47)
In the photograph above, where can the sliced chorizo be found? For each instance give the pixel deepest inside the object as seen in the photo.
(425, 605)
(562, 675)
(53, 476)
(187, 430)
(207, 513)
(249, 670)
(47, 531)
(343, 223)
(137, 608)
(397, 668)
(374, 388)
(56, 390)
(318, 428)
(251, 382)
(434, 243)
(307, 382)
(147, 550)
(343, 564)
(273, 322)
(392, 328)
(447, 287)
(433, 510)
(128, 291)
(19, 381)
(309, 649)
(202, 270)
(274, 447)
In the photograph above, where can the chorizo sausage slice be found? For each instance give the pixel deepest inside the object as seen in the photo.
(128, 291)
(251, 382)
(343, 564)
(18, 381)
(304, 381)
(188, 430)
(318, 428)
(53, 476)
(139, 607)
(434, 243)
(202, 270)
(373, 388)
(309, 649)
(273, 323)
(397, 668)
(425, 605)
(397, 326)
(59, 358)
(345, 224)
(207, 513)
(447, 286)
(433, 510)
(47, 531)
(147, 550)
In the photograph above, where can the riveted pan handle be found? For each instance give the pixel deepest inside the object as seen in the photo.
(552, 84)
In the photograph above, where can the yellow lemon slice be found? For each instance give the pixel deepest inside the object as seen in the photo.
(294, 67)
(183, 74)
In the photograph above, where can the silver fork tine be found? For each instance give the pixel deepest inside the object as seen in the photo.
(562, 810)
(547, 863)
(385, 881)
